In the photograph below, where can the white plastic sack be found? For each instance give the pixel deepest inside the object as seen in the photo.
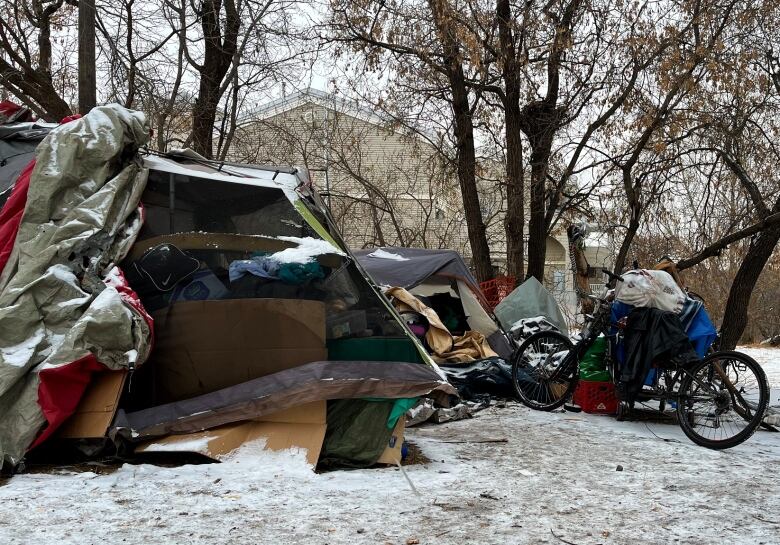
(647, 288)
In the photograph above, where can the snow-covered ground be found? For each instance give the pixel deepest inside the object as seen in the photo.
(507, 476)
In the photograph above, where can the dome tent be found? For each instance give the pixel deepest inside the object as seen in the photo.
(142, 237)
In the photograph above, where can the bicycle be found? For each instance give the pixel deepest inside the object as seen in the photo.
(721, 399)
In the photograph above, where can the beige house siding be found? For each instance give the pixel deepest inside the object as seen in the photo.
(383, 187)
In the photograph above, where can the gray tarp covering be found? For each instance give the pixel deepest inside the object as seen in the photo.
(529, 300)
(415, 266)
(80, 218)
(313, 381)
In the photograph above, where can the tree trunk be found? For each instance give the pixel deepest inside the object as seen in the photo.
(217, 59)
(620, 260)
(35, 90)
(32, 85)
(514, 220)
(464, 135)
(735, 315)
(204, 114)
(464, 142)
(539, 123)
(537, 231)
(87, 81)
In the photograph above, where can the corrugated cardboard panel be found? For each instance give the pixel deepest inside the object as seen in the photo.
(300, 427)
(392, 453)
(96, 408)
(204, 346)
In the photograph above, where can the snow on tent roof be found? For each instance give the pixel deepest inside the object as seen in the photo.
(280, 179)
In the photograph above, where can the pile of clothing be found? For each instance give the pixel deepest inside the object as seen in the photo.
(443, 346)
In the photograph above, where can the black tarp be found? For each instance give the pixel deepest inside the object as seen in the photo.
(17, 148)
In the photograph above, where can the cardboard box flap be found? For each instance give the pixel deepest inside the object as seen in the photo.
(300, 427)
(97, 407)
(392, 453)
(242, 324)
(205, 346)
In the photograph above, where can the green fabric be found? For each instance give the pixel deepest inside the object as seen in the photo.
(449, 318)
(306, 214)
(400, 406)
(593, 365)
(529, 300)
(356, 434)
(373, 349)
(300, 273)
(399, 409)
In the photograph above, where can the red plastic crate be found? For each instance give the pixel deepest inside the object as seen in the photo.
(498, 288)
(596, 397)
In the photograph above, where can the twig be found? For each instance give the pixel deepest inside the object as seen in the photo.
(559, 537)
(762, 519)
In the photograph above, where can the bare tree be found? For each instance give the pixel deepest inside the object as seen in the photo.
(26, 55)
(423, 44)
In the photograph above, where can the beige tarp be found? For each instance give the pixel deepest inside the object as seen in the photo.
(471, 346)
(81, 217)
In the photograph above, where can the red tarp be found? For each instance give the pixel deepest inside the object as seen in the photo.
(11, 214)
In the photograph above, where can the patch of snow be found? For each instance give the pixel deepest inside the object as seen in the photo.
(199, 445)
(307, 250)
(379, 253)
(510, 475)
(19, 354)
(63, 273)
(115, 278)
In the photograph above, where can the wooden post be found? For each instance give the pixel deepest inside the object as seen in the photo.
(87, 79)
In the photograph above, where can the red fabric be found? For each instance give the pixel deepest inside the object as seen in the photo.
(8, 108)
(117, 281)
(11, 214)
(60, 388)
(69, 118)
(12, 112)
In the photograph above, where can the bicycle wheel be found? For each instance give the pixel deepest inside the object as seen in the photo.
(542, 374)
(722, 400)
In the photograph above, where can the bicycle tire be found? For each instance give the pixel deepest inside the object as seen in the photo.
(721, 401)
(533, 378)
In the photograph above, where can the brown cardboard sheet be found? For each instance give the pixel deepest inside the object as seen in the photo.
(205, 346)
(392, 453)
(299, 427)
(96, 409)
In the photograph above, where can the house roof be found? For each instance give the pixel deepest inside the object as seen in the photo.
(318, 98)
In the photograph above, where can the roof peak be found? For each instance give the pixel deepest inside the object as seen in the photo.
(353, 107)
